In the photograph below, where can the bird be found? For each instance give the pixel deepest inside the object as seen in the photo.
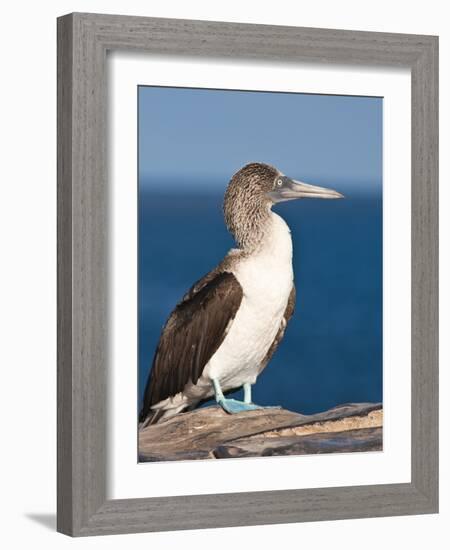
(226, 328)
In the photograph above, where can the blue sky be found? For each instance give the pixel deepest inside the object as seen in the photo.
(200, 137)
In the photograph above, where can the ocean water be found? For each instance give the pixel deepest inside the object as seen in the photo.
(332, 350)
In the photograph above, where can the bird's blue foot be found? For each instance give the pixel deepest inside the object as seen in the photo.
(233, 406)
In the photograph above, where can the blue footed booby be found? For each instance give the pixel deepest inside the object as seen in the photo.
(224, 331)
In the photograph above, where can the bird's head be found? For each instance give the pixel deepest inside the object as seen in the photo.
(265, 184)
(255, 188)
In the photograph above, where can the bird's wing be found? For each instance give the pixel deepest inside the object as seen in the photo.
(280, 334)
(193, 333)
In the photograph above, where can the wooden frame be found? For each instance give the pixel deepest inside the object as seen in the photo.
(83, 40)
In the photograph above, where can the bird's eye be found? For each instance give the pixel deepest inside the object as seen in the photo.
(279, 183)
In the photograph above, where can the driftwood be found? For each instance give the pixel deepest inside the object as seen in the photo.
(211, 433)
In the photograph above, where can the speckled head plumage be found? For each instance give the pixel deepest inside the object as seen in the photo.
(252, 192)
(247, 204)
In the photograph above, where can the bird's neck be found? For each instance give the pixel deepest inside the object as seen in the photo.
(247, 221)
(260, 232)
(277, 241)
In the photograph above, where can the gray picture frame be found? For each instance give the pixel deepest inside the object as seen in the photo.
(83, 239)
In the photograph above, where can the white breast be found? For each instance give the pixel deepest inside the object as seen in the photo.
(266, 278)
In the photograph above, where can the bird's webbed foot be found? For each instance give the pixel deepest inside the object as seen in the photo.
(233, 406)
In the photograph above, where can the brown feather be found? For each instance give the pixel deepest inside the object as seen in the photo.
(193, 333)
(280, 334)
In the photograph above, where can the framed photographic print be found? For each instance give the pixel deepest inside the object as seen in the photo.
(247, 274)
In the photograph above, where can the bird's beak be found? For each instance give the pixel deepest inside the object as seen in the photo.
(291, 189)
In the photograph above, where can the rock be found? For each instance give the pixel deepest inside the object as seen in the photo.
(210, 433)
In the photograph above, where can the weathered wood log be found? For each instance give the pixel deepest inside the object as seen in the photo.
(364, 439)
(211, 433)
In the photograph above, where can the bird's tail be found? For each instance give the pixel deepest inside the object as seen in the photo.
(152, 417)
